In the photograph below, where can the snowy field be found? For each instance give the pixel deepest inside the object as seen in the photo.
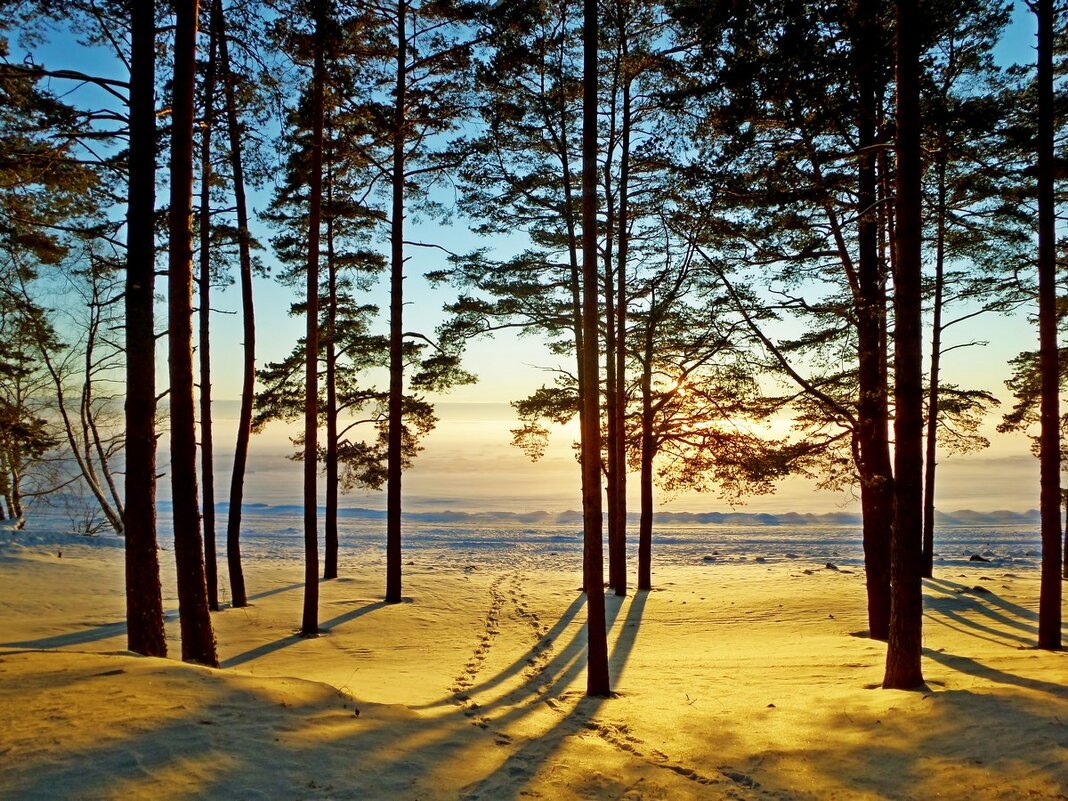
(744, 674)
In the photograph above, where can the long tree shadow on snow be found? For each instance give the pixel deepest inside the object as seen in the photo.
(523, 661)
(976, 668)
(561, 673)
(292, 639)
(982, 613)
(105, 631)
(397, 755)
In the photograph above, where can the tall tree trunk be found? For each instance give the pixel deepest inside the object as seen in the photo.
(310, 621)
(597, 681)
(930, 459)
(207, 450)
(396, 324)
(906, 604)
(873, 465)
(198, 639)
(1049, 607)
(617, 569)
(620, 406)
(238, 595)
(331, 539)
(144, 596)
(615, 331)
(648, 451)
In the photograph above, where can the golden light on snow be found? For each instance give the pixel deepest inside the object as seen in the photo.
(734, 678)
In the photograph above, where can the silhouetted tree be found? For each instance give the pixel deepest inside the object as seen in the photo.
(906, 604)
(198, 638)
(144, 601)
(699, 404)
(310, 620)
(1049, 611)
(25, 435)
(417, 70)
(238, 595)
(979, 226)
(53, 236)
(204, 279)
(349, 265)
(597, 680)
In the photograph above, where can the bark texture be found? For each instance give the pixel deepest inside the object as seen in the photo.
(238, 595)
(1049, 606)
(144, 599)
(207, 448)
(648, 452)
(330, 544)
(394, 454)
(597, 680)
(198, 638)
(906, 603)
(873, 445)
(309, 626)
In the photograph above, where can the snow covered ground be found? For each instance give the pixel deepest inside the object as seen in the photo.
(742, 675)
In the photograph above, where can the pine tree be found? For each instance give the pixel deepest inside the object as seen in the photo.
(410, 110)
(203, 281)
(597, 679)
(198, 638)
(238, 594)
(905, 644)
(310, 620)
(1049, 611)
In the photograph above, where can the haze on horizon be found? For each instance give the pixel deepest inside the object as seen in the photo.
(470, 465)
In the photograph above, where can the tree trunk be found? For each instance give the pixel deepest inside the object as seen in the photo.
(906, 604)
(597, 680)
(5, 483)
(144, 597)
(238, 595)
(15, 495)
(873, 465)
(310, 621)
(930, 461)
(89, 424)
(81, 452)
(617, 570)
(1065, 554)
(207, 450)
(396, 325)
(648, 451)
(1049, 607)
(620, 444)
(198, 639)
(331, 539)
